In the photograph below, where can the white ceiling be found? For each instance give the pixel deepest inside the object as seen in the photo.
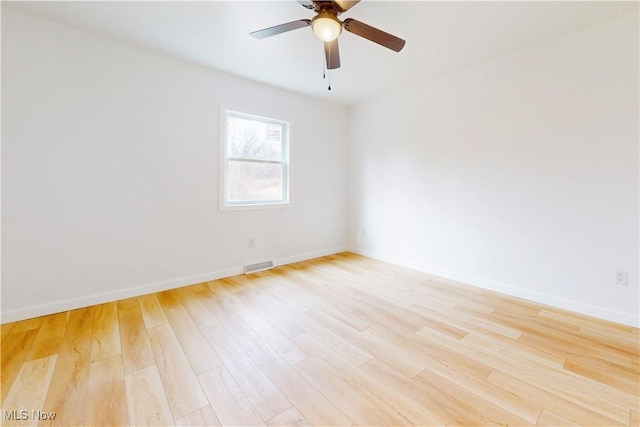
(441, 36)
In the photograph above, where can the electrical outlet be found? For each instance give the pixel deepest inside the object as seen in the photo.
(252, 243)
(621, 277)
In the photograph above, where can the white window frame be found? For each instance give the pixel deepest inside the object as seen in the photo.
(225, 204)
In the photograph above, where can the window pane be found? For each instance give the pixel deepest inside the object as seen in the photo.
(254, 139)
(255, 181)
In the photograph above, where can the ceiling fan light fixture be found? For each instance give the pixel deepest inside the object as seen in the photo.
(326, 26)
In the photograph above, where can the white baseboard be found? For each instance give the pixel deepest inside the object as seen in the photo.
(309, 255)
(541, 298)
(71, 304)
(101, 298)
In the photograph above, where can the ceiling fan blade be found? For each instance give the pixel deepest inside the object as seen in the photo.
(332, 54)
(345, 5)
(307, 3)
(282, 28)
(375, 35)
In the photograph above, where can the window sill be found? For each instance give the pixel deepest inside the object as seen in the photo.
(252, 207)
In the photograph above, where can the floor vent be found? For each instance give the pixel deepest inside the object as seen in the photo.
(261, 266)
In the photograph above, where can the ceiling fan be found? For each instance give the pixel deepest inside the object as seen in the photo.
(328, 27)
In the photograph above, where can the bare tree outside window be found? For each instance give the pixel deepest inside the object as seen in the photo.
(256, 159)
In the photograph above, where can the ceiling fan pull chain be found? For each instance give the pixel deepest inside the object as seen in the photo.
(329, 71)
(324, 70)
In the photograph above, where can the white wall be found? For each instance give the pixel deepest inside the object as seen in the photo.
(110, 172)
(519, 174)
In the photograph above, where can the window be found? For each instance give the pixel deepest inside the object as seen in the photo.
(255, 156)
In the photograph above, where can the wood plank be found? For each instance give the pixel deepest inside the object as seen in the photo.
(470, 323)
(368, 394)
(502, 346)
(379, 348)
(583, 320)
(107, 401)
(227, 399)
(105, 342)
(28, 324)
(548, 400)
(198, 287)
(6, 330)
(223, 314)
(433, 323)
(14, 352)
(354, 405)
(491, 413)
(309, 401)
(620, 340)
(261, 393)
(246, 313)
(551, 419)
(378, 305)
(430, 353)
(519, 406)
(310, 285)
(349, 351)
(289, 418)
(127, 303)
(391, 318)
(605, 373)
(562, 383)
(527, 323)
(570, 344)
(279, 316)
(178, 379)
(152, 312)
(29, 391)
(474, 307)
(49, 338)
(67, 395)
(169, 299)
(195, 307)
(445, 408)
(198, 351)
(202, 417)
(313, 302)
(136, 353)
(146, 400)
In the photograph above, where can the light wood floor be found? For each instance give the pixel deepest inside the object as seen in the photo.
(339, 340)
